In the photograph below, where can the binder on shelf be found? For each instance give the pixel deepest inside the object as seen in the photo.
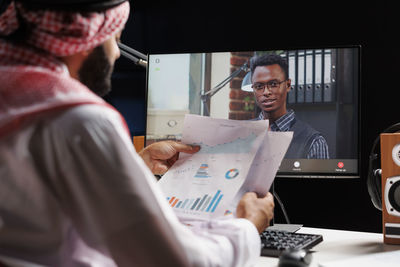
(309, 88)
(327, 90)
(292, 76)
(318, 76)
(300, 77)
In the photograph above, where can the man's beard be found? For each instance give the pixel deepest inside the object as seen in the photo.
(96, 71)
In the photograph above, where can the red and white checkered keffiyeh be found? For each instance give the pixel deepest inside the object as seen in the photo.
(32, 78)
(64, 33)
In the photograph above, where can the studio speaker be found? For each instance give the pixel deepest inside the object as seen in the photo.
(390, 164)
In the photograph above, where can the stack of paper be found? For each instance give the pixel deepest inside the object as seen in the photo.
(235, 157)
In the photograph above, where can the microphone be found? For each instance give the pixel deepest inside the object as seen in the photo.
(130, 53)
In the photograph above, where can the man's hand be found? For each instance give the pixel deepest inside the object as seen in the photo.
(160, 156)
(257, 210)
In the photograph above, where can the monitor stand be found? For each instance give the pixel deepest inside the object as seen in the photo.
(285, 227)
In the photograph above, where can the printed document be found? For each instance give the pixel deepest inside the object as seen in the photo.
(235, 157)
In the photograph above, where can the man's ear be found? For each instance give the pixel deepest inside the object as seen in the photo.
(86, 53)
(74, 62)
(288, 84)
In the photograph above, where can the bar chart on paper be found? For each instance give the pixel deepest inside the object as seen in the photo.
(205, 203)
(202, 172)
(202, 185)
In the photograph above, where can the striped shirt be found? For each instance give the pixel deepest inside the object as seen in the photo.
(318, 148)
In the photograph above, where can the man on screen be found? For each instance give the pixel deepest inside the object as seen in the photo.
(271, 83)
(73, 190)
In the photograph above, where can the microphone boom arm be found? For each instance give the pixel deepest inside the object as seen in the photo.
(130, 53)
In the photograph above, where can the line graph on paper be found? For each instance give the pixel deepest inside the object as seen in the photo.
(202, 185)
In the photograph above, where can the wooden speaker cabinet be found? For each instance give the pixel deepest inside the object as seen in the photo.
(390, 163)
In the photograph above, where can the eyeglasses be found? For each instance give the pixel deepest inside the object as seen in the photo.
(271, 85)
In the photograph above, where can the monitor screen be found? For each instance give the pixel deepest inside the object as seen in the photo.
(316, 97)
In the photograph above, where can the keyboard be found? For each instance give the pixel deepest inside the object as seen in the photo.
(274, 242)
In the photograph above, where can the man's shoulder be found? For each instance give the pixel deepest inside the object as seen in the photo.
(302, 125)
(89, 111)
(81, 117)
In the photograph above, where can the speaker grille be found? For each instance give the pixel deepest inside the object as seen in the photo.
(392, 195)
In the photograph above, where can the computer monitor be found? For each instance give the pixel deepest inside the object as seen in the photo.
(324, 93)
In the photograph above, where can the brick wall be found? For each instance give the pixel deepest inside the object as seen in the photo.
(241, 104)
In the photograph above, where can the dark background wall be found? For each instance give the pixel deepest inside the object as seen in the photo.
(205, 26)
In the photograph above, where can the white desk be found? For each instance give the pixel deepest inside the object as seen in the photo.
(338, 245)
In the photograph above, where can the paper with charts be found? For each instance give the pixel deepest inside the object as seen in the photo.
(205, 185)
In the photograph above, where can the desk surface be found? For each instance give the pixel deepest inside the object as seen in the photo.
(339, 245)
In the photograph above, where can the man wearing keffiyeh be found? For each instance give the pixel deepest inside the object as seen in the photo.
(74, 192)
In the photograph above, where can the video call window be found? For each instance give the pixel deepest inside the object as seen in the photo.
(324, 95)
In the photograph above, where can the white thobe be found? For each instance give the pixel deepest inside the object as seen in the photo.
(74, 192)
